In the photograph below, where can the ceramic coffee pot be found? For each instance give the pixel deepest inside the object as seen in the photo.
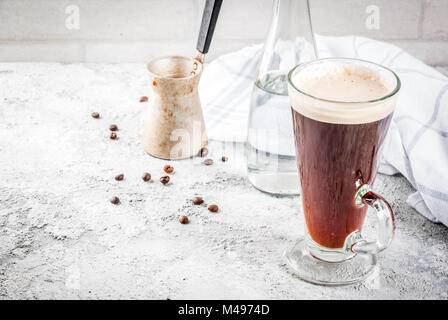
(174, 125)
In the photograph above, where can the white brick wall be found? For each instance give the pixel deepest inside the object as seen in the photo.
(136, 30)
(435, 24)
(398, 19)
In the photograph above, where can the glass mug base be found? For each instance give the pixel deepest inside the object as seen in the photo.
(332, 267)
(281, 184)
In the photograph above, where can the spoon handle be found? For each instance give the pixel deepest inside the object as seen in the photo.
(209, 18)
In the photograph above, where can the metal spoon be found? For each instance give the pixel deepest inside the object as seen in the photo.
(209, 18)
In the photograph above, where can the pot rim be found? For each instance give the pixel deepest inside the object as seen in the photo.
(197, 73)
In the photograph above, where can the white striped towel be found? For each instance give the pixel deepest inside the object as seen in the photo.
(417, 144)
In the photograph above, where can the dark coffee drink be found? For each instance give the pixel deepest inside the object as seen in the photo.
(338, 142)
(327, 157)
(341, 110)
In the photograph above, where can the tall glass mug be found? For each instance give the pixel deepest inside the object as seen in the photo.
(341, 112)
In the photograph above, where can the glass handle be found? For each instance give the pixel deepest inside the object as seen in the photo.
(386, 222)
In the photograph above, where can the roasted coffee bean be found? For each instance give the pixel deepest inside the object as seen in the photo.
(113, 136)
(208, 162)
(183, 219)
(168, 169)
(119, 177)
(165, 179)
(198, 200)
(113, 127)
(213, 208)
(203, 152)
(146, 176)
(95, 115)
(144, 99)
(224, 159)
(115, 200)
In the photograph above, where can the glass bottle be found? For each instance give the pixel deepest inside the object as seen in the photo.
(270, 150)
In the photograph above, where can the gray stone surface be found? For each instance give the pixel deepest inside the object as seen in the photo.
(60, 237)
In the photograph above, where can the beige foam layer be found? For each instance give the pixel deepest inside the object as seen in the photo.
(339, 86)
